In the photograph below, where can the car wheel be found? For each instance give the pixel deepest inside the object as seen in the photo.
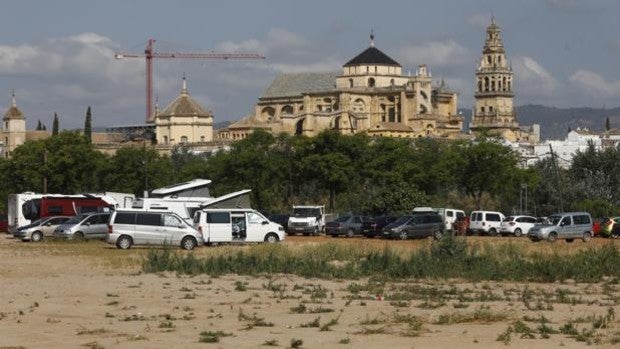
(306, 234)
(437, 234)
(36, 236)
(78, 236)
(124, 242)
(587, 236)
(518, 232)
(188, 243)
(350, 233)
(570, 240)
(492, 232)
(271, 238)
(403, 235)
(552, 237)
(370, 236)
(334, 235)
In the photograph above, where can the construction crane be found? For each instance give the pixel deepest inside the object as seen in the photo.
(149, 54)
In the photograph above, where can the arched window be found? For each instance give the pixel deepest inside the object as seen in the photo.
(165, 139)
(392, 82)
(489, 60)
(350, 82)
(287, 110)
(183, 139)
(504, 84)
(479, 85)
(423, 109)
(493, 85)
(202, 138)
(267, 113)
(486, 84)
(359, 105)
(383, 119)
(371, 82)
(337, 123)
(424, 95)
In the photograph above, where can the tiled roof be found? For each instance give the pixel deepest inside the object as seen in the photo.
(372, 55)
(13, 113)
(290, 85)
(184, 105)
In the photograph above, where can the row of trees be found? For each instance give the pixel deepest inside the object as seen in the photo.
(56, 124)
(346, 173)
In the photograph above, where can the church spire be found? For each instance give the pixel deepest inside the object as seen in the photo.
(184, 88)
(372, 37)
(13, 102)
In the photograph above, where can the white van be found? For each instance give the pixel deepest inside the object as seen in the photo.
(236, 225)
(450, 215)
(485, 222)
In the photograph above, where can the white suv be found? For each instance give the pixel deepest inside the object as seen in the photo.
(485, 222)
(517, 225)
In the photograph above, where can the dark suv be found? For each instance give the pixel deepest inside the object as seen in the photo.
(375, 226)
(420, 225)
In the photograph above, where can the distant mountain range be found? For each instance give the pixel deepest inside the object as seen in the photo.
(555, 122)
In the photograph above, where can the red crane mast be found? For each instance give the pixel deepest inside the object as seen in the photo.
(149, 54)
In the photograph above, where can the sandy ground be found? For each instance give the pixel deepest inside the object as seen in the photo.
(90, 295)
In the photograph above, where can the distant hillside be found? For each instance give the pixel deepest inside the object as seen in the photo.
(554, 122)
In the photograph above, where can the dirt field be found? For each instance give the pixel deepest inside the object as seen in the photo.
(90, 295)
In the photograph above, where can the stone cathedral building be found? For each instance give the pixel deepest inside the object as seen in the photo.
(370, 94)
(494, 110)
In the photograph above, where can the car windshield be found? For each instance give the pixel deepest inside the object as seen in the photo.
(402, 220)
(306, 212)
(34, 223)
(342, 219)
(554, 220)
(77, 219)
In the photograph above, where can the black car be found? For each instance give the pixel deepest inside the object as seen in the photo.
(281, 219)
(375, 226)
(345, 225)
(419, 225)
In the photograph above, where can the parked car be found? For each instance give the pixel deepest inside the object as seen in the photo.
(517, 225)
(130, 227)
(565, 225)
(39, 229)
(281, 219)
(4, 222)
(419, 225)
(345, 225)
(485, 222)
(84, 226)
(374, 226)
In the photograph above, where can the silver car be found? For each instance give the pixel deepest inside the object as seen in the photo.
(566, 225)
(130, 227)
(84, 226)
(39, 229)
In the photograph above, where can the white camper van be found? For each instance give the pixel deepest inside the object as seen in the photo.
(236, 225)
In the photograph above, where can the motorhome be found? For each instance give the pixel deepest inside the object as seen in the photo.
(185, 199)
(24, 208)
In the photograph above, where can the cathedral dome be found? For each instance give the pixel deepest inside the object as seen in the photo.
(372, 56)
(13, 112)
(184, 105)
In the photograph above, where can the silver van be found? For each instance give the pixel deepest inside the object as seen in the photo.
(39, 229)
(131, 227)
(566, 225)
(84, 226)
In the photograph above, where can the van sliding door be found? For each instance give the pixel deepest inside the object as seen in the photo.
(219, 227)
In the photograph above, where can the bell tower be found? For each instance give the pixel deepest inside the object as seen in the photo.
(14, 128)
(494, 110)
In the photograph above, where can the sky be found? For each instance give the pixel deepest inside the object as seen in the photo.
(58, 56)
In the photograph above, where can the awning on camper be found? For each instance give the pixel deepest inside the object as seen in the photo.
(238, 199)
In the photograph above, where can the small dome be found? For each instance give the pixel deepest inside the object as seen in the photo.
(372, 56)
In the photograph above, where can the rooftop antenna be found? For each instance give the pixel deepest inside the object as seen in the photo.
(372, 37)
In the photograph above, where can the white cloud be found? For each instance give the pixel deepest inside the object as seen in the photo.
(533, 77)
(594, 84)
(436, 54)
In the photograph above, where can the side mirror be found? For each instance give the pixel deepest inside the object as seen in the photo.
(88, 224)
(48, 224)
